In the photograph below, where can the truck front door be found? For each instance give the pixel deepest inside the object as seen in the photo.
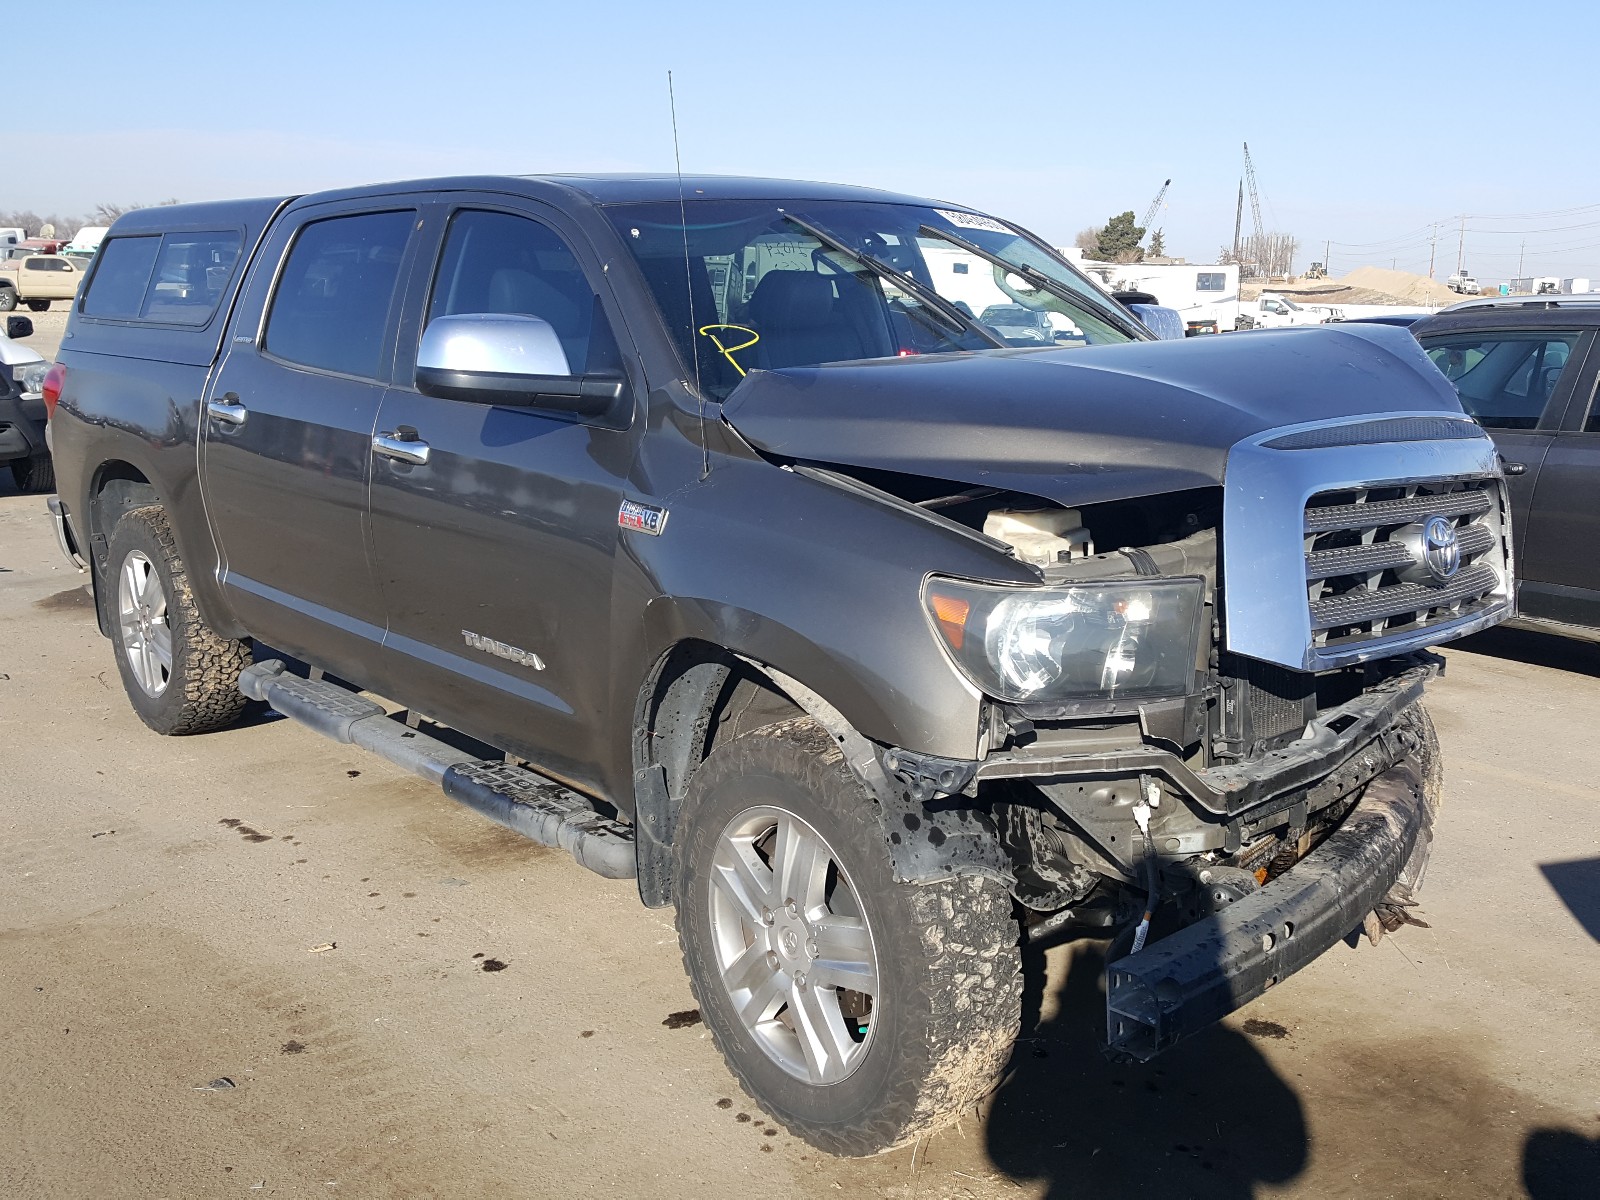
(48, 277)
(287, 447)
(1561, 569)
(1517, 383)
(495, 549)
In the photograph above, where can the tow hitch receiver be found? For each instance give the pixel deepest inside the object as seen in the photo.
(1191, 979)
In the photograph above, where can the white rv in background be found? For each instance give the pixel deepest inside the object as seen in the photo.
(1206, 295)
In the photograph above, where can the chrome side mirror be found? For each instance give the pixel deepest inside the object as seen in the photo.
(509, 359)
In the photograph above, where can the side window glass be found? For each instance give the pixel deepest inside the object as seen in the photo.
(1593, 423)
(1504, 380)
(331, 306)
(501, 263)
(191, 274)
(118, 286)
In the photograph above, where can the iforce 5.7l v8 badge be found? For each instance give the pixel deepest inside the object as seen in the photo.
(646, 518)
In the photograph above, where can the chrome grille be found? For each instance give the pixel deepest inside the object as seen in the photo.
(1366, 575)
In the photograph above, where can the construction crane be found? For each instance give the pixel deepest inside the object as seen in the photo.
(1250, 256)
(1255, 197)
(1155, 206)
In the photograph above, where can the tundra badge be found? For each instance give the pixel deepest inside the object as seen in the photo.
(488, 645)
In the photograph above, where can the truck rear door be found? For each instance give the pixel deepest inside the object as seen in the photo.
(289, 419)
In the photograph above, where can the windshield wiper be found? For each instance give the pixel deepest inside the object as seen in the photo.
(926, 295)
(1032, 274)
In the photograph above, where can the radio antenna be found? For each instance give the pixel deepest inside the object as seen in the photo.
(688, 284)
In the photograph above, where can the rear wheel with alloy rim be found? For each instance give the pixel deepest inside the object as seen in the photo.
(858, 1011)
(180, 675)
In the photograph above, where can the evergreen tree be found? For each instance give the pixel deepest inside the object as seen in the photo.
(1119, 240)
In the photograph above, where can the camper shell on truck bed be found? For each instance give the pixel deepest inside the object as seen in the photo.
(723, 544)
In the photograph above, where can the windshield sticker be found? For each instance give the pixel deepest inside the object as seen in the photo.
(727, 352)
(966, 220)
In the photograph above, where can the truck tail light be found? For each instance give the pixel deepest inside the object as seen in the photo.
(53, 380)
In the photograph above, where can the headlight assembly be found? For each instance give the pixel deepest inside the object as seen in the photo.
(30, 377)
(1133, 639)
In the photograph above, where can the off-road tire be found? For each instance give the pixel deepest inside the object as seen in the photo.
(948, 961)
(8, 299)
(34, 474)
(202, 693)
(1429, 760)
(39, 305)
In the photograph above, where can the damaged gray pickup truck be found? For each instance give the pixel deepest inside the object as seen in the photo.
(711, 535)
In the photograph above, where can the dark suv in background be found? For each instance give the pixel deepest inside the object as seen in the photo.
(1526, 369)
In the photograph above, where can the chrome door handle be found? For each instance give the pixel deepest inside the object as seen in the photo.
(228, 410)
(402, 449)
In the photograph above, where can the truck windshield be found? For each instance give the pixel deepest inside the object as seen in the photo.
(767, 284)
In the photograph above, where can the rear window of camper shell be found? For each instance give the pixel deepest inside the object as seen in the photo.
(166, 279)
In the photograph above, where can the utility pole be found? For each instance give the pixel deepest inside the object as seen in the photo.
(1521, 254)
(1433, 245)
(1461, 248)
(1327, 262)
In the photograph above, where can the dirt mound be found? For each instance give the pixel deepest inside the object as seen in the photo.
(1402, 285)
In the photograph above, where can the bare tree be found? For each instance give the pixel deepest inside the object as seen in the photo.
(31, 222)
(1268, 256)
(105, 214)
(1087, 239)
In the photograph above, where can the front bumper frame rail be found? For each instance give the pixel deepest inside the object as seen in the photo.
(1191, 979)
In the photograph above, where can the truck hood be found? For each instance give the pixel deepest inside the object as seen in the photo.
(14, 354)
(1088, 425)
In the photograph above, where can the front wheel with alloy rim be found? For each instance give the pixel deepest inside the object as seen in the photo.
(858, 1011)
(180, 675)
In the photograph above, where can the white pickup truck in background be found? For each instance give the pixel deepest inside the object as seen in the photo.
(1277, 312)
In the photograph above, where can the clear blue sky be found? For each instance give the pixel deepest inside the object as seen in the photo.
(1368, 122)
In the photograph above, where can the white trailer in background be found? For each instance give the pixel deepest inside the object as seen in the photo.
(87, 240)
(1205, 295)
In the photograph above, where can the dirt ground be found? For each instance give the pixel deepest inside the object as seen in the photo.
(410, 1002)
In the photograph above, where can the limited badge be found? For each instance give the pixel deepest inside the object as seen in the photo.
(646, 518)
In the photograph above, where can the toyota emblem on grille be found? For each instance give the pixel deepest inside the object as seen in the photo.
(1440, 549)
